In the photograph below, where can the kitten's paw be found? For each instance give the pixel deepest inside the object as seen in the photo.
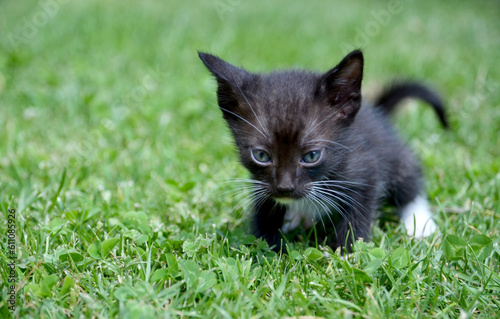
(417, 218)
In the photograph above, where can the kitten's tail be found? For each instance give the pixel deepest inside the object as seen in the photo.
(388, 100)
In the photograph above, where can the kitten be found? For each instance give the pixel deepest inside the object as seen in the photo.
(317, 155)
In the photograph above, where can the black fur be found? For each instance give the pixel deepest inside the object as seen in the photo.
(292, 116)
(388, 100)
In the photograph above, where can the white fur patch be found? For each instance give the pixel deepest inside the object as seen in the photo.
(298, 212)
(291, 221)
(417, 218)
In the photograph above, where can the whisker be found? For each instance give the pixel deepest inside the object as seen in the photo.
(236, 191)
(332, 181)
(337, 185)
(248, 102)
(243, 180)
(250, 198)
(312, 128)
(344, 199)
(325, 197)
(314, 202)
(317, 199)
(253, 111)
(243, 119)
(238, 196)
(247, 192)
(332, 142)
(261, 198)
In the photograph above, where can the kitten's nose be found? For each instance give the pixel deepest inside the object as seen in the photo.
(285, 190)
(285, 185)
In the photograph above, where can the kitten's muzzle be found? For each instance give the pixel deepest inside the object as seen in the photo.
(286, 193)
(286, 196)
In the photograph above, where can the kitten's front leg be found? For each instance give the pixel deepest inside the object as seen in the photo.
(267, 222)
(358, 213)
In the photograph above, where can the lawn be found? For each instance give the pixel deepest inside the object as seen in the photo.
(114, 161)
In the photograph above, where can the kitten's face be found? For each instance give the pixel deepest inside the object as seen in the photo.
(289, 126)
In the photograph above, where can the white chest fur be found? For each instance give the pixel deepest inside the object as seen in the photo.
(301, 212)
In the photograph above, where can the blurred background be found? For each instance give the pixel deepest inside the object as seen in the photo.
(109, 101)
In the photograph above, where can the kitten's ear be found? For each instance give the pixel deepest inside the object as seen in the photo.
(223, 70)
(342, 86)
(230, 79)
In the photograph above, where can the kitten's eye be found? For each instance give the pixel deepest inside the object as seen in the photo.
(311, 157)
(261, 156)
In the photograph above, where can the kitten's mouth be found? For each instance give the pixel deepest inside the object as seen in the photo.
(285, 200)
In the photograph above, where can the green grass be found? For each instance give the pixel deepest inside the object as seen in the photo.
(113, 154)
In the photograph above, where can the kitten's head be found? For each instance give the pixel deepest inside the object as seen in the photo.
(289, 126)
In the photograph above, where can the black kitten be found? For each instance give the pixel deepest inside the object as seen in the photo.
(316, 155)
